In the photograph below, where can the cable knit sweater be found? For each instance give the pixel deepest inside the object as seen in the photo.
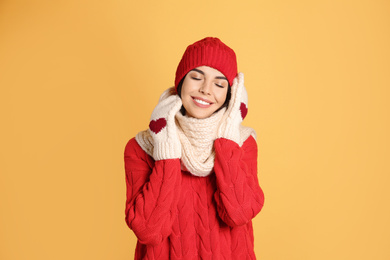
(176, 215)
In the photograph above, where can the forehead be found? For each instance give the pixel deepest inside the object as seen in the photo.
(209, 71)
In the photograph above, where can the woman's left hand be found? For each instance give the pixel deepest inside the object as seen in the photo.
(236, 111)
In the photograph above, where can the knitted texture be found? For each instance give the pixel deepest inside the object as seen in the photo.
(197, 138)
(210, 52)
(176, 215)
(236, 111)
(193, 136)
(162, 127)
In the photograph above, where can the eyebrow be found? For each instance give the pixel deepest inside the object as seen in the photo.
(201, 72)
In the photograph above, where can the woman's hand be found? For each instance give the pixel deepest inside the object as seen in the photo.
(162, 127)
(236, 111)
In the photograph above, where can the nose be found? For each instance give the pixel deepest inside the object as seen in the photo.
(205, 88)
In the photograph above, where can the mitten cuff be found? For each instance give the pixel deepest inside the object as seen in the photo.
(166, 150)
(230, 132)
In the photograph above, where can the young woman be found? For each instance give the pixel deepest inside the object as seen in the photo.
(192, 187)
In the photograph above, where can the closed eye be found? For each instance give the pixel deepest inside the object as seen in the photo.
(219, 85)
(195, 78)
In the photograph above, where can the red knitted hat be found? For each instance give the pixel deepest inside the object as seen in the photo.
(210, 52)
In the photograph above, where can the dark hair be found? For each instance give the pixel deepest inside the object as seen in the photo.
(226, 104)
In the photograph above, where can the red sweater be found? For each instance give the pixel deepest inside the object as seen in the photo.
(176, 215)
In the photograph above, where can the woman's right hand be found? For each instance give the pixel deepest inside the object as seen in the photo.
(162, 127)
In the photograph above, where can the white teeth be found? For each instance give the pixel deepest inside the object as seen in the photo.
(201, 102)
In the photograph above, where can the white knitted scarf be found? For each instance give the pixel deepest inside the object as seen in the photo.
(197, 138)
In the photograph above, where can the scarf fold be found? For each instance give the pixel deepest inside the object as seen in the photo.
(197, 141)
(197, 138)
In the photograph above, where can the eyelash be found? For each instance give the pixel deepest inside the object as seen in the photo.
(215, 83)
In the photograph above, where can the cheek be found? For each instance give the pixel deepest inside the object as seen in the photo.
(185, 101)
(185, 96)
(187, 86)
(220, 95)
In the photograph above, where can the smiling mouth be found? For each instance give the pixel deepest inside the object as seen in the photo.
(201, 103)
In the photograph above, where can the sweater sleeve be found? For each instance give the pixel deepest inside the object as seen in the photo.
(151, 194)
(239, 197)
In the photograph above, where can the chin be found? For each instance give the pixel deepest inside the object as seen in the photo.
(200, 115)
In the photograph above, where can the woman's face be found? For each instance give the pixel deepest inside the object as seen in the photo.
(203, 91)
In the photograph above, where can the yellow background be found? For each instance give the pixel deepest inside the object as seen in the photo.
(80, 78)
